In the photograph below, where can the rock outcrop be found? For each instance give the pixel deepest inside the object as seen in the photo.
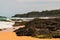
(37, 27)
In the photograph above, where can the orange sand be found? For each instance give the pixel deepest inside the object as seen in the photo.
(12, 36)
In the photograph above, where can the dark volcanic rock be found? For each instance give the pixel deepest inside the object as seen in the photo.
(39, 27)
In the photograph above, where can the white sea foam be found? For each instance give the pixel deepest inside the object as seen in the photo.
(4, 24)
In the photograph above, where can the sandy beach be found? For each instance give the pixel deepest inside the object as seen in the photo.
(8, 34)
(12, 36)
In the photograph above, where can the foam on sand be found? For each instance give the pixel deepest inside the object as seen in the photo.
(4, 24)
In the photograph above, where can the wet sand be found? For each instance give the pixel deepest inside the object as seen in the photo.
(12, 36)
(11, 29)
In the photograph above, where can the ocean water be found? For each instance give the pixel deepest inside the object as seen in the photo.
(4, 24)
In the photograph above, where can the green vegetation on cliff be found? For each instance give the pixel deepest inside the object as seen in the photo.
(40, 14)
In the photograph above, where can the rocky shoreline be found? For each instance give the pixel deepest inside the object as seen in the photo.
(46, 27)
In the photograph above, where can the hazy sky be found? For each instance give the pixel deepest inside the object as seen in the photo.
(12, 7)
